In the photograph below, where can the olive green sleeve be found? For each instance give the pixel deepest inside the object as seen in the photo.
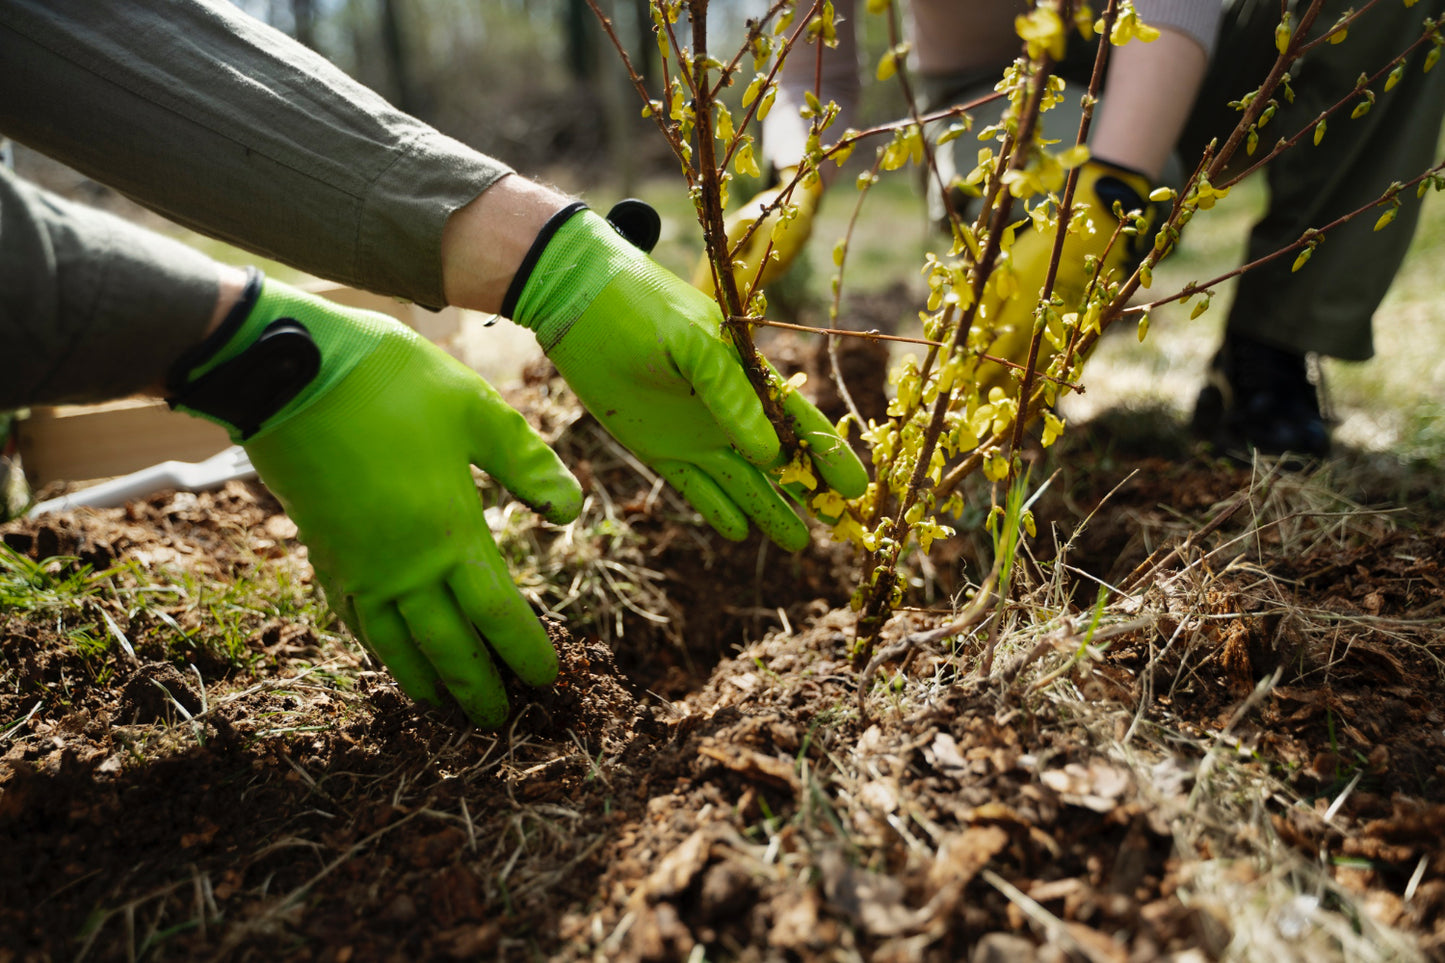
(228, 126)
(91, 306)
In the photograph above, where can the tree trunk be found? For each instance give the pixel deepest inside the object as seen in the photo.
(398, 61)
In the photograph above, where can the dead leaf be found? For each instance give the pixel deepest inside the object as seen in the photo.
(280, 527)
(659, 934)
(746, 681)
(872, 900)
(796, 926)
(1097, 786)
(470, 941)
(1004, 948)
(679, 867)
(963, 854)
(880, 795)
(1055, 889)
(944, 755)
(751, 764)
(1098, 947)
(205, 832)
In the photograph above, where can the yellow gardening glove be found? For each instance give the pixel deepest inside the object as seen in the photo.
(1100, 187)
(786, 233)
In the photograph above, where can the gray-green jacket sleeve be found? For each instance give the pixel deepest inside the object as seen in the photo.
(226, 125)
(91, 306)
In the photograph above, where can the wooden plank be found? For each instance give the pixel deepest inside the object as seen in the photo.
(84, 442)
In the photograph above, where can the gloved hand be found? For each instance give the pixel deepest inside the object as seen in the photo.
(365, 431)
(1099, 187)
(644, 352)
(787, 241)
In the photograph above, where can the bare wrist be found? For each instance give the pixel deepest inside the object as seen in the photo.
(229, 287)
(230, 284)
(485, 241)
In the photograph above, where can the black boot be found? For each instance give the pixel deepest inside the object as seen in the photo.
(1259, 398)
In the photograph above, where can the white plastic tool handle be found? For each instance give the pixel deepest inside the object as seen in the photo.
(187, 476)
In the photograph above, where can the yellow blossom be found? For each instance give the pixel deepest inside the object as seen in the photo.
(745, 162)
(1042, 31)
(1053, 427)
(799, 471)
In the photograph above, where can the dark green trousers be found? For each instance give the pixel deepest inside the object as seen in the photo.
(1328, 305)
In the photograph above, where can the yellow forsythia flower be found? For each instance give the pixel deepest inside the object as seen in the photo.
(1053, 428)
(1042, 31)
(745, 162)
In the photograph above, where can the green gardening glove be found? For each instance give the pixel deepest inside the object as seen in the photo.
(644, 352)
(366, 433)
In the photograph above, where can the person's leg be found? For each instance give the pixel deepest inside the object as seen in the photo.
(1327, 305)
(1259, 393)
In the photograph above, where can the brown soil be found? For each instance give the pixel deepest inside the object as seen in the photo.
(724, 798)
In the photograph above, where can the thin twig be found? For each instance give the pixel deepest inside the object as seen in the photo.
(978, 609)
(878, 603)
(1053, 929)
(1066, 212)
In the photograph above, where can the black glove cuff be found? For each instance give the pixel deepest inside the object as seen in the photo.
(245, 391)
(637, 221)
(534, 254)
(634, 219)
(180, 371)
(1112, 189)
(251, 388)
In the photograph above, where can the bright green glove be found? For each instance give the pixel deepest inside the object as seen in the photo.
(1100, 187)
(780, 239)
(643, 351)
(365, 432)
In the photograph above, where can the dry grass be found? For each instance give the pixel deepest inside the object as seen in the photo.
(1218, 796)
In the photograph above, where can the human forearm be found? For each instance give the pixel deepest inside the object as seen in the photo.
(91, 306)
(1150, 90)
(240, 133)
(485, 242)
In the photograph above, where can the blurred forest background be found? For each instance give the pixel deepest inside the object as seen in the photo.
(535, 83)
